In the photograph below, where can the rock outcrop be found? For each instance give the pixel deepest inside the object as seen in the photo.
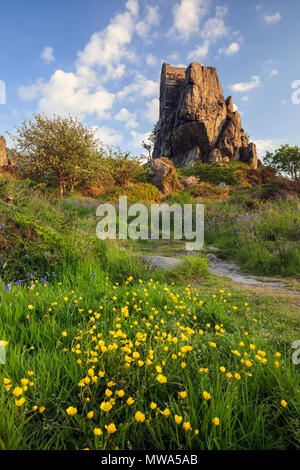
(162, 174)
(3, 156)
(196, 123)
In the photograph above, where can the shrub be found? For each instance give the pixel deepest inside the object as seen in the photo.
(143, 192)
(92, 191)
(125, 170)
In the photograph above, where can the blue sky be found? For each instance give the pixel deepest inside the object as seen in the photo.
(101, 60)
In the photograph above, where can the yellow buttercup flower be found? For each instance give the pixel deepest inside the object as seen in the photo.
(283, 403)
(162, 379)
(97, 431)
(20, 402)
(206, 395)
(71, 411)
(139, 417)
(106, 406)
(177, 419)
(111, 428)
(17, 391)
(216, 421)
(187, 426)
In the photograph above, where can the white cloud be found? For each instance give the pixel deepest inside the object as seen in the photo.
(82, 92)
(273, 73)
(272, 19)
(213, 29)
(108, 48)
(152, 18)
(233, 48)
(67, 93)
(31, 92)
(107, 136)
(127, 117)
(141, 87)
(151, 60)
(221, 11)
(200, 52)
(187, 16)
(47, 55)
(242, 87)
(245, 98)
(138, 138)
(235, 107)
(152, 110)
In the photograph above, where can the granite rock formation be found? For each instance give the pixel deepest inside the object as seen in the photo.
(3, 156)
(196, 123)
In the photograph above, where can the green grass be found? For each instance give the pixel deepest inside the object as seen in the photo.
(93, 313)
(103, 312)
(212, 173)
(264, 241)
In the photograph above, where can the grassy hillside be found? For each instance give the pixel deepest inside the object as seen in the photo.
(103, 354)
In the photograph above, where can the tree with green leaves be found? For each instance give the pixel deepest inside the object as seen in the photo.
(285, 160)
(59, 150)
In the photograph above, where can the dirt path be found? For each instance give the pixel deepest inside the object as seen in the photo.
(232, 270)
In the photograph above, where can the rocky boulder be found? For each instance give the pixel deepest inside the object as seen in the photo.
(196, 123)
(3, 157)
(162, 174)
(189, 181)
